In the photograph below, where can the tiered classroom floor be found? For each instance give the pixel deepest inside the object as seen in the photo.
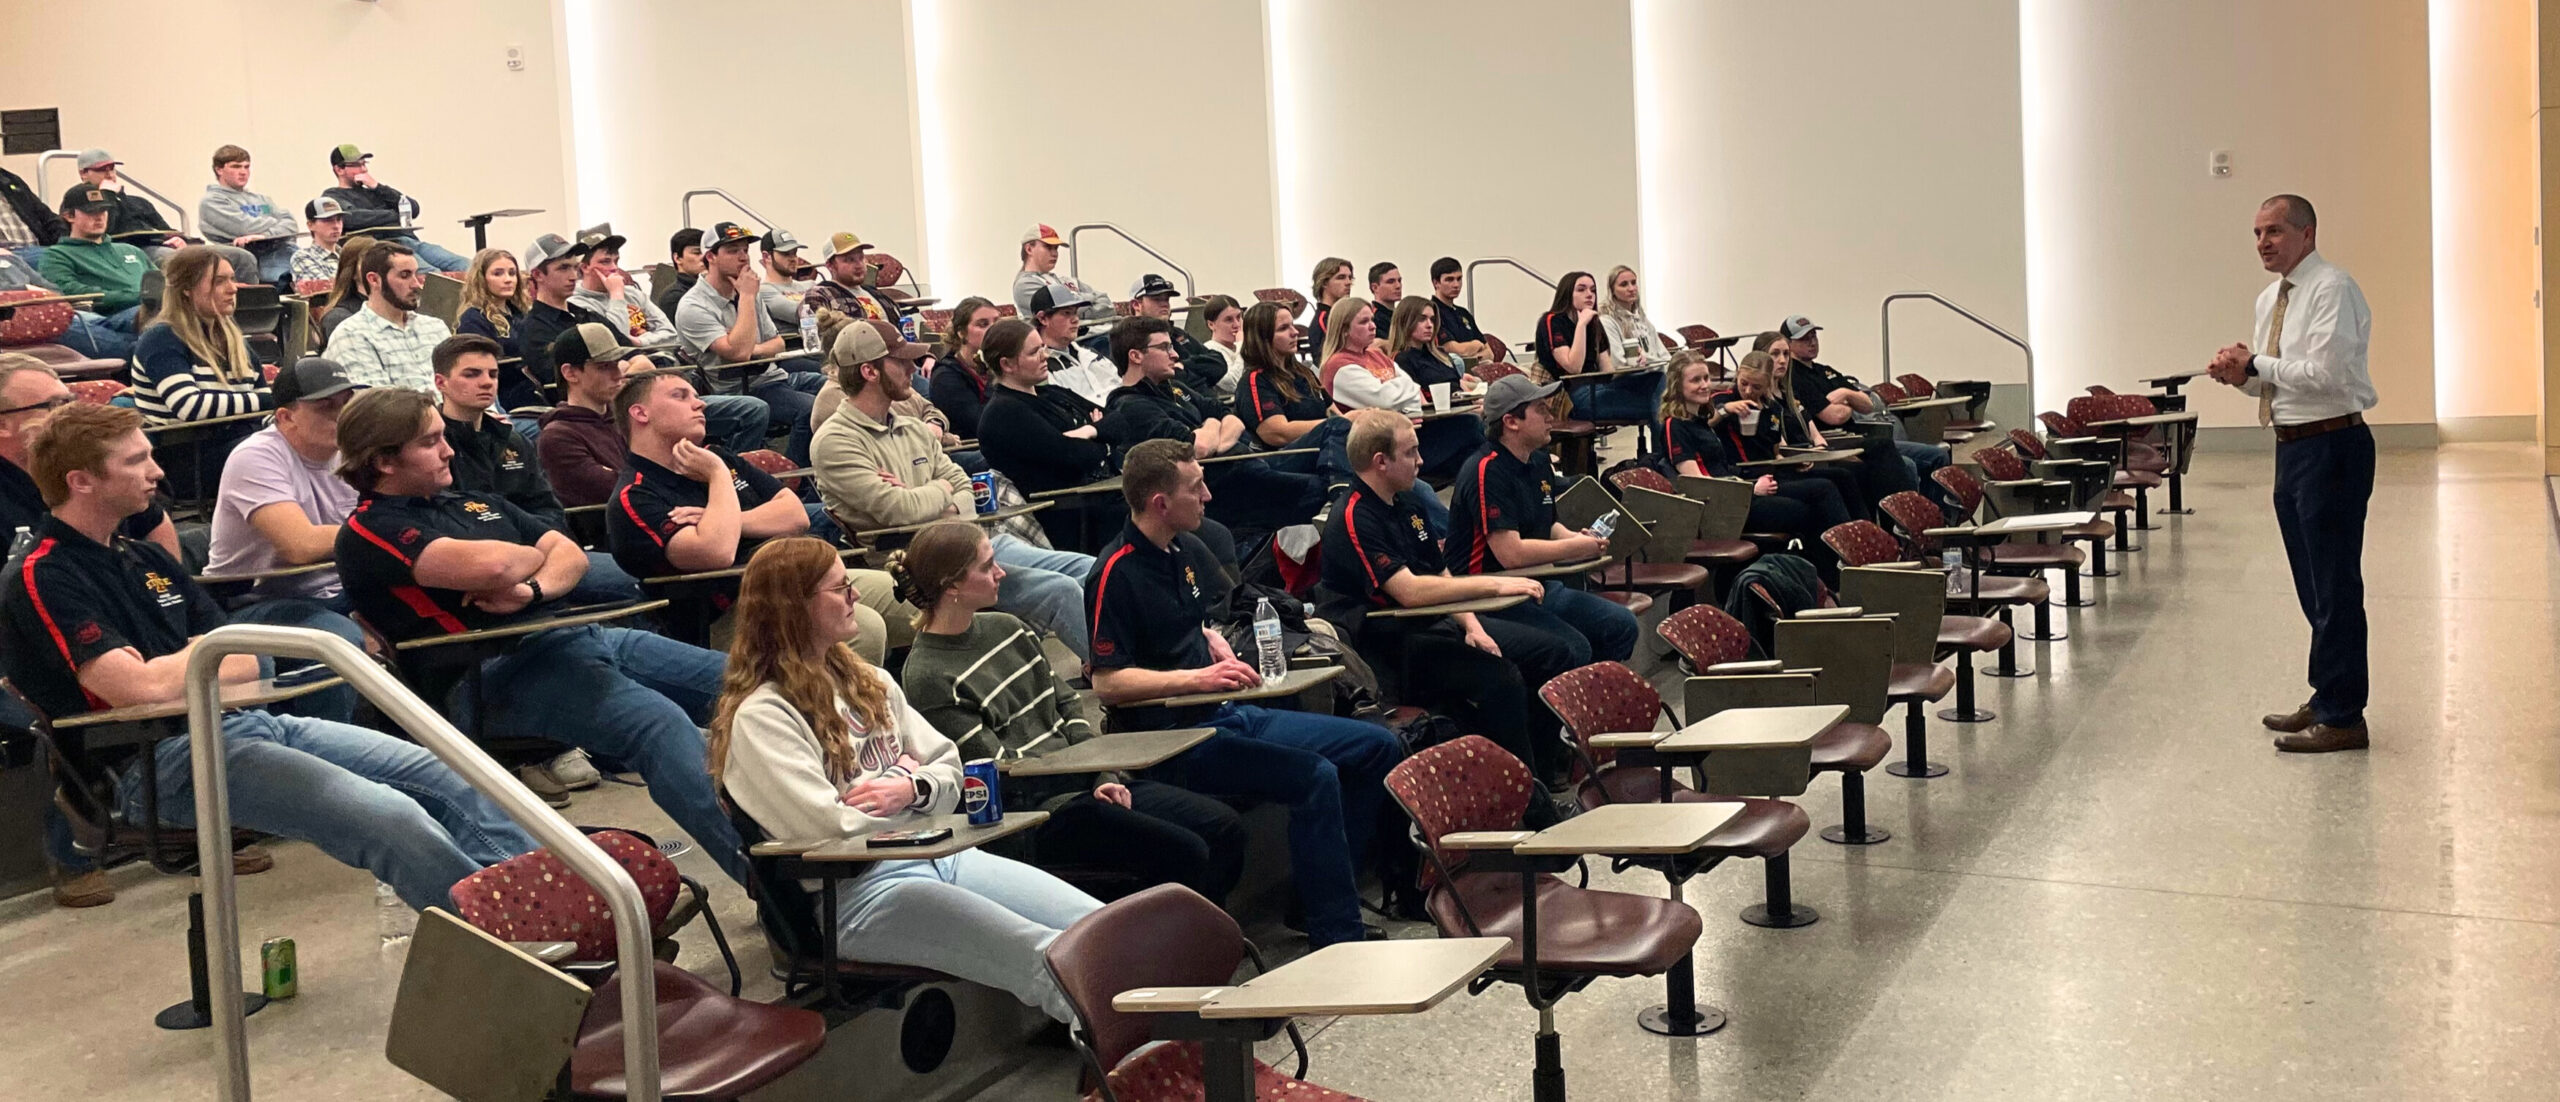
(2120, 892)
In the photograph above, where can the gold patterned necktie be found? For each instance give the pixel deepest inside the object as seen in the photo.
(2275, 347)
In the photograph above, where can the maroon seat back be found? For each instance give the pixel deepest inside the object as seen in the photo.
(1646, 477)
(97, 392)
(2001, 464)
(536, 897)
(1706, 636)
(2061, 425)
(1698, 335)
(1915, 515)
(2095, 388)
(1284, 295)
(1466, 783)
(1861, 543)
(1917, 386)
(1960, 483)
(1599, 699)
(1892, 394)
(2087, 408)
(2026, 443)
(1165, 936)
(34, 324)
(1496, 370)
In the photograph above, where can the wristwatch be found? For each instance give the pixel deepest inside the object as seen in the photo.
(534, 584)
(924, 790)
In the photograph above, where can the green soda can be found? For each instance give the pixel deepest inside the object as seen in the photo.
(275, 964)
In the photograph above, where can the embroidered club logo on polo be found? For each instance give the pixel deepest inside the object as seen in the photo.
(508, 460)
(162, 589)
(480, 511)
(1192, 579)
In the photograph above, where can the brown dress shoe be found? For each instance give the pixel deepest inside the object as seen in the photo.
(2323, 739)
(251, 860)
(86, 889)
(2298, 719)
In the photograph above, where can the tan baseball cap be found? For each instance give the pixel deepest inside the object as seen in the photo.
(865, 340)
(842, 243)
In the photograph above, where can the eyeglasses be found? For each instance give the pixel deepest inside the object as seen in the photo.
(1164, 347)
(843, 589)
(47, 404)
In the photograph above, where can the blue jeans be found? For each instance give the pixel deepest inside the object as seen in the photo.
(1925, 459)
(437, 256)
(789, 399)
(371, 801)
(737, 422)
(605, 582)
(1331, 772)
(983, 918)
(2323, 484)
(91, 336)
(122, 321)
(1593, 628)
(336, 705)
(630, 696)
(1046, 589)
(1628, 398)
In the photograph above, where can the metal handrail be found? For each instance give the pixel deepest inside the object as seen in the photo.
(1074, 254)
(213, 837)
(44, 185)
(1510, 261)
(732, 200)
(1967, 315)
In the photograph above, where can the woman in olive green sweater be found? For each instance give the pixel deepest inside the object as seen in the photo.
(984, 680)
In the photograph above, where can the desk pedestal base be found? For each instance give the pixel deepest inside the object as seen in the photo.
(197, 1011)
(1680, 1017)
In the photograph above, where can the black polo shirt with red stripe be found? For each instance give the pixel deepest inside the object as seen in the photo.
(1146, 606)
(1366, 541)
(72, 599)
(1262, 399)
(378, 551)
(1691, 438)
(636, 517)
(1497, 492)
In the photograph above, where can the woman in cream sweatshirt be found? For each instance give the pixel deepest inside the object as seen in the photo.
(814, 743)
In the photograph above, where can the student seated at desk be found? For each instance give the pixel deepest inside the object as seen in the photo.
(1153, 405)
(424, 560)
(1044, 436)
(877, 469)
(815, 744)
(490, 456)
(1754, 417)
(96, 620)
(580, 450)
(1569, 342)
(282, 502)
(193, 364)
(1506, 519)
(1361, 374)
(1151, 607)
(494, 301)
(387, 341)
(1377, 555)
(87, 261)
(722, 321)
(683, 507)
(984, 679)
(1804, 508)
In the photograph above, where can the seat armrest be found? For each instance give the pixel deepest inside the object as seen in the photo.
(1844, 612)
(548, 952)
(1486, 839)
(1165, 1000)
(1765, 665)
(1626, 740)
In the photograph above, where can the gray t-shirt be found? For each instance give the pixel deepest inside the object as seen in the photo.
(265, 470)
(704, 315)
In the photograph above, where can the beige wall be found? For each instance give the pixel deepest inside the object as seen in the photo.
(812, 128)
(2138, 262)
(2488, 332)
(421, 83)
(1142, 113)
(1768, 197)
(1462, 128)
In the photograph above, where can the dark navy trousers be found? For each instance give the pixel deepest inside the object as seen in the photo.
(2322, 485)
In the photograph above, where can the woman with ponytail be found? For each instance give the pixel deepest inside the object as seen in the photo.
(814, 743)
(960, 382)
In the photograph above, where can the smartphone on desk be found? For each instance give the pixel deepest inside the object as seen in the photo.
(887, 838)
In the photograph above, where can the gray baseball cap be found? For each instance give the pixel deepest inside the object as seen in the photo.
(780, 241)
(1511, 392)
(310, 378)
(550, 247)
(1797, 327)
(323, 207)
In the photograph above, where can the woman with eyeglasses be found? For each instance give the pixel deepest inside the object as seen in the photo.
(813, 743)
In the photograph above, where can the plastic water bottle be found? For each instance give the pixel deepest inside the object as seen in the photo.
(392, 918)
(809, 330)
(1266, 640)
(1951, 560)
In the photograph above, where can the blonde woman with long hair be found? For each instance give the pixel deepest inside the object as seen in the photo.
(1631, 335)
(814, 743)
(494, 299)
(192, 364)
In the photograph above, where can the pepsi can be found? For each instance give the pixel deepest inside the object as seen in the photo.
(983, 487)
(981, 792)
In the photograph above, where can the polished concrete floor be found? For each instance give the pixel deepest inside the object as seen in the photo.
(2120, 892)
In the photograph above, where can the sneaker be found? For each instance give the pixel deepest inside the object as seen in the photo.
(82, 889)
(251, 860)
(574, 771)
(543, 784)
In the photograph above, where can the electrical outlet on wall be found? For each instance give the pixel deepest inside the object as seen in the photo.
(2218, 164)
(515, 59)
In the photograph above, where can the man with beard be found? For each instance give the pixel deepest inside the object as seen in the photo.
(721, 322)
(389, 343)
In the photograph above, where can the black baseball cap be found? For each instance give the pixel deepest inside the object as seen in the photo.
(583, 344)
(310, 378)
(724, 233)
(1152, 285)
(88, 201)
(601, 237)
(1047, 299)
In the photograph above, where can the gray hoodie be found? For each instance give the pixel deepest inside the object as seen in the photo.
(227, 213)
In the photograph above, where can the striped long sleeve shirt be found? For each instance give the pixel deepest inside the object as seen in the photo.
(170, 386)
(993, 691)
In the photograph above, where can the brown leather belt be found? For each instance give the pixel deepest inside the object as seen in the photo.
(2286, 434)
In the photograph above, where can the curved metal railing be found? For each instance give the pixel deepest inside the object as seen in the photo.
(1074, 254)
(460, 754)
(44, 185)
(1968, 315)
(1506, 261)
(732, 200)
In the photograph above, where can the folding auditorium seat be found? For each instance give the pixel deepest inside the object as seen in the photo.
(2010, 474)
(1708, 638)
(536, 897)
(1917, 516)
(1864, 543)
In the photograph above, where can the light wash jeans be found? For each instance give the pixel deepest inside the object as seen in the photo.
(1046, 589)
(983, 918)
(739, 422)
(336, 705)
(788, 401)
(91, 336)
(629, 696)
(437, 256)
(372, 801)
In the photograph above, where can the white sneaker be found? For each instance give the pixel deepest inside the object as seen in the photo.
(543, 784)
(574, 771)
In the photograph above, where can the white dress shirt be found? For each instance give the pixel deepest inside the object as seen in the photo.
(2321, 372)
